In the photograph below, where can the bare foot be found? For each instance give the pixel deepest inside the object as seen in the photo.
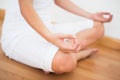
(85, 53)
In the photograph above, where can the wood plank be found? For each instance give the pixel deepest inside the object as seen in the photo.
(4, 75)
(2, 14)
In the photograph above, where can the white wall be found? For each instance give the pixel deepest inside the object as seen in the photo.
(111, 29)
(6, 3)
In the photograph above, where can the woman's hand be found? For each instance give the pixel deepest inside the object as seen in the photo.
(102, 16)
(61, 41)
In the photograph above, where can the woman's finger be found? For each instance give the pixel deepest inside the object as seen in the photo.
(67, 47)
(108, 19)
(72, 47)
(105, 13)
(81, 45)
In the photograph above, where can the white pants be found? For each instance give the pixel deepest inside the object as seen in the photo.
(33, 50)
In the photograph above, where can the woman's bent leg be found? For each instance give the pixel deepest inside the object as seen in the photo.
(91, 35)
(64, 62)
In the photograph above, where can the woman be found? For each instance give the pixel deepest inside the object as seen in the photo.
(29, 37)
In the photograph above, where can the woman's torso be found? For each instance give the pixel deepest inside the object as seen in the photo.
(14, 21)
(15, 25)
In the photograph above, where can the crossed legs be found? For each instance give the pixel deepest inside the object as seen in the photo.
(66, 62)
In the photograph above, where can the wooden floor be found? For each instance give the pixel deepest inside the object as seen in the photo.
(102, 66)
(105, 65)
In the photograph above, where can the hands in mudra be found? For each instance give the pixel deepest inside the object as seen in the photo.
(102, 16)
(67, 43)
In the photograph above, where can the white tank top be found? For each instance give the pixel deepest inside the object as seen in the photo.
(42, 7)
(15, 21)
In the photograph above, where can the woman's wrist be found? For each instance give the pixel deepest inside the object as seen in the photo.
(90, 16)
(48, 36)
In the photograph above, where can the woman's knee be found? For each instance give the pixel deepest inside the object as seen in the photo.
(99, 29)
(64, 62)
